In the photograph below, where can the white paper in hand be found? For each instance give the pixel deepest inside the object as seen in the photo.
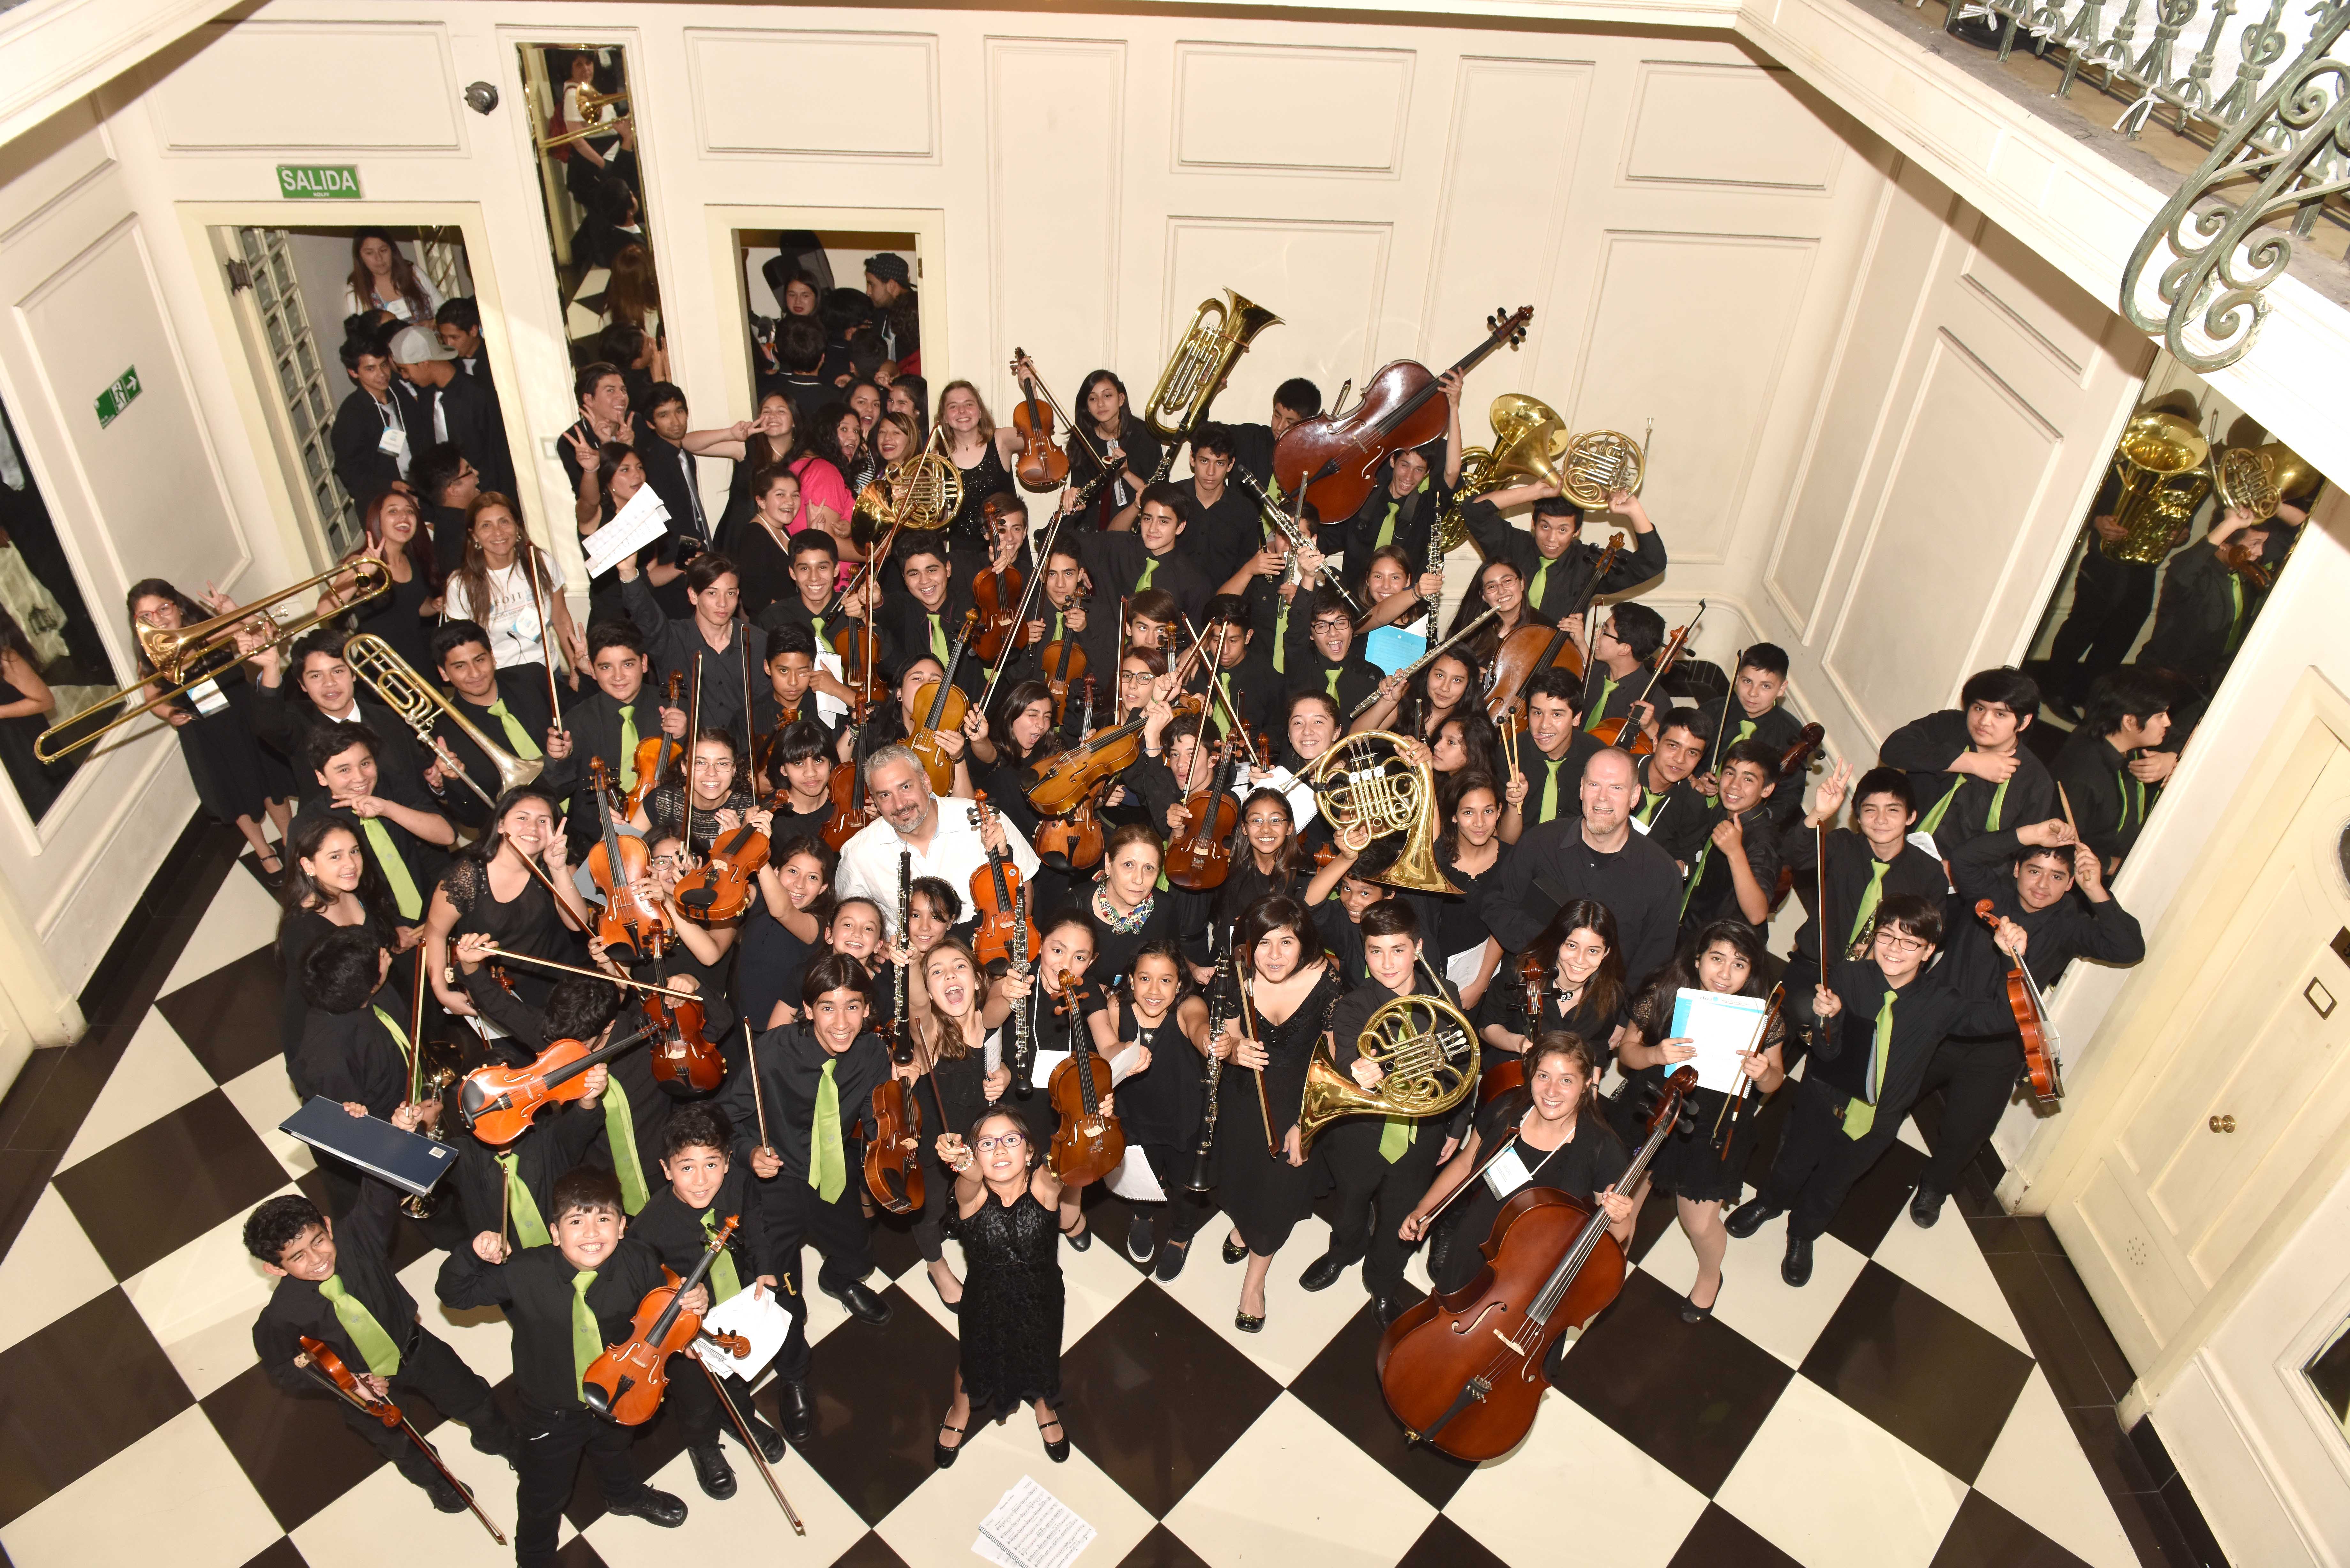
(758, 1316)
(1722, 1028)
(1031, 1528)
(644, 520)
(829, 707)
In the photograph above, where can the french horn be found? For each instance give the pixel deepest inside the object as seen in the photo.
(1377, 784)
(1425, 1051)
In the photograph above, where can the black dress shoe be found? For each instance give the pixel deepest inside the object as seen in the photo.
(1057, 1450)
(1795, 1268)
(1172, 1254)
(795, 1411)
(1692, 1313)
(1080, 1239)
(1925, 1206)
(1234, 1251)
(772, 1446)
(446, 1498)
(652, 1506)
(711, 1469)
(1140, 1242)
(862, 1303)
(1749, 1217)
(1388, 1308)
(940, 1455)
(1322, 1271)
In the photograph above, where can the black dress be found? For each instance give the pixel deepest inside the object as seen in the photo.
(398, 617)
(232, 775)
(769, 966)
(1263, 1193)
(1691, 1168)
(526, 924)
(1012, 1302)
(985, 478)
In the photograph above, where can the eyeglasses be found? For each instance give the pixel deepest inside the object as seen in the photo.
(1004, 1140)
(1895, 942)
(1336, 624)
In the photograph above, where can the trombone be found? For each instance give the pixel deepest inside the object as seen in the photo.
(420, 706)
(183, 655)
(589, 104)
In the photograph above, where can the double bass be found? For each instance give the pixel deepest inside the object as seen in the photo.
(625, 1383)
(1463, 1371)
(2042, 1063)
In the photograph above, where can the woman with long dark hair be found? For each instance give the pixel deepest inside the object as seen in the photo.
(955, 1050)
(704, 795)
(1581, 962)
(392, 530)
(330, 886)
(840, 441)
(758, 446)
(1161, 1099)
(513, 886)
(509, 587)
(1470, 854)
(1105, 426)
(235, 781)
(1268, 859)
(980, 451)
(26, 704)
(383, 280)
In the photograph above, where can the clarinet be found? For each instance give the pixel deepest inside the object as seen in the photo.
(902, 1028)
(1206, 1152)
(1024, 1052)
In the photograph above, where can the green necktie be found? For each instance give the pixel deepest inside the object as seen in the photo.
(815, 624)
(398, 1035)
(1223, 709)
(1149, 565)
(404, 894)
(1058, 621)
(519, 739)
(2129, 788)
(1333, 676)
(1746, 732)
(621, 1132)
(628, 746)
(529, 1229)
(586, 1339)
(938, 639)
(1860, 1114)
(827, 1162)
(2235, 612)
(1933, 819)
(1697, 874)
(1599, 709)
(1281, 640)
(1549, 790)
(1387, 528)
(374, 1345)
(1396, 1136)
(1535, 588)
(1868, 896)
(723, 1280)
(1997, 799)
(1650, 800)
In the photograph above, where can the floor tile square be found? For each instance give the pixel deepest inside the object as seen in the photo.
(1298, 1322)
(1690, 1396)
(939, 1522)
(1292, 1491)
(1866, 1497)
(2054, 1341)
(279, 1554)
(1878, 1199)
(1943, 1260)
(1718, 1541)
(243, 916)
(1151, 1353)
(1985, 1535)
(80, 1391)
(200, 1303)
(156, 1190)
(1919, 1370)
(879, 1394)
(478, 1334)
(174, 1496)
(746, 1528)
(1571, 1453)
(1162, 1548)
(298, 1453)
(1753, 1299)
(385, 1520)
(1342, 1387)
(264, 1097)
(870, 1552)
(2038, 1472)
(49, 1270)
(156, 1077)
(229, 1016)
(1444, 1544)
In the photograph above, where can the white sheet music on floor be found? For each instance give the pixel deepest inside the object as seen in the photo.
(1031, 1528)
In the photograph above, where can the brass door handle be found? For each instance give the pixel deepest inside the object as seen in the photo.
(2223, 1124)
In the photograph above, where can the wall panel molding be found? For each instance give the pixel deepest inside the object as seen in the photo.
(741, 105)
(257, 84)
(2055, 319)
(1707, 122)
(1056, 104)
(1312, 109)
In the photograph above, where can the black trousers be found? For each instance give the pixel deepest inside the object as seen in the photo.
(1980, 1075)
(1374, 1195)
(1186, 1210)
(2111, 600)
(553, 1442)
(696, 1403)
(839, 1230)
(1817, 1164)
(1801, 977)
(430, 1368)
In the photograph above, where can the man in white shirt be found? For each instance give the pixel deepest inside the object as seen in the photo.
(910, 818)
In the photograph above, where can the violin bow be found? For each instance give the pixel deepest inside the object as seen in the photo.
(1721, 731)
(431, 1454)
(416, 1035)
(1027, 603)
(1761, 1029)
(631, 983)
(1674, 647)
(742, 1427)
(758, 1096)
(546, 641)
(1468, 1180)
(1248, 1033)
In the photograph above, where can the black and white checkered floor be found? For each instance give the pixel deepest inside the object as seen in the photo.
(1893, 1413)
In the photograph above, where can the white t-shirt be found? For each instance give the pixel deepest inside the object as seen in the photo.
(398, 304)
(511, 618)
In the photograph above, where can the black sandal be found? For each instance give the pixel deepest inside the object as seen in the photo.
(942, 1456)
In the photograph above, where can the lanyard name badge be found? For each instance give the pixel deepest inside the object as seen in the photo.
(393, 442)
(1505, 1173)
(207, 697)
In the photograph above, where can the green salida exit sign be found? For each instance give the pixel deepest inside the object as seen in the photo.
(118, 397)
(318, 182)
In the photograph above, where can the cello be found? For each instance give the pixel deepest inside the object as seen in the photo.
(625, 1383)
(995, 899)
(1534, 647)
(1334, 458)
(1089, 1143)
(2042, 1063)
(1463, 1371)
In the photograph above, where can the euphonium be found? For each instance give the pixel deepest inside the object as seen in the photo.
(1219, 334)
(1376, 784)
(2160, 463)
(419, 705)
(1425, 1051)
(1527, 436)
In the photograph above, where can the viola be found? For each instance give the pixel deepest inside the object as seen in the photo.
(995, 901)
(630, 921)
(1510, 1072)
(1074, 841)
(1041, 465)
(1334, 458)
(1613, 732)
(684, 1062)
(625, 1383)
(1624, 735)
(2039, 1058)
(654, 752)
(1534, 647)
(1089, 1143)
(1199, 857)
(941, 705)
(2242, 558)
(1463, 1371)
(851, 809)
(498, 1101)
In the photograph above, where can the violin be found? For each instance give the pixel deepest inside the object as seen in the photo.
(893, 1154)
(653, 752)
(995, 597)
(1073, 840)
(1463, 1371)
(1064, 661)
(941, 705)
(719, 889)
(630, 921)
(2242, 556)
(684, 1062)
(1510, 1072)
(851, 809)
(1041, 465)
(1534, 647)
(1334, 458)
(2039, 1058)
(625, 1383)
(1613, 732)
(318, 1359)
(1199, 857)
(1089, 1143)
(1066, 778)
(497, 1102)
(1797, 759)
(995, 900)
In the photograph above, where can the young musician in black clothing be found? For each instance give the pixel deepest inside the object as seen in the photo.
(607, 722)
(325, 692)
(713, 640)
(2029, 874)
(1615, 684)
(2206, 606)
(1410, 488)
(788, 694)
(1968, 765)
(1381, 1165)
(1248, 688)
(1555, 566)
(405, 839)
(1862, 1079)
(337, 1285)
(1670, 811)
(1545, 790)
(1333, 666)
(1737, 866)
(354, 1050)
(815, 570)
(1583, 993)
(926, 619)
(1295, 400)
(1751, 710)
(2111, 772)
(1162, 1101)
(705, 1189)
(509, 706)
(1225, 523)
(1151, 555)
(1868, 863)
(566, 1299)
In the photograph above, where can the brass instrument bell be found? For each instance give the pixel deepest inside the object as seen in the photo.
(1528, 435)
(1597, 463)
(2160, 462)
(1220, 333)
(1376, 784)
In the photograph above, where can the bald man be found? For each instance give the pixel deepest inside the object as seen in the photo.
(1598, 854)
(936, 832)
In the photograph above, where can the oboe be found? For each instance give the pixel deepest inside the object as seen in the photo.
(1202, 1156)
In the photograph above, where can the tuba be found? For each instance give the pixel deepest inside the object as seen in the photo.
(1527, 433)
(1219, 334)
(419, 705)
(1599, 463)
(1376, 784)
(2160, 463)
(1426, 1050)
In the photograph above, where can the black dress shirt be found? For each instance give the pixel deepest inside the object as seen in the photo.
(1551, 865)
(1923, 1011)
(790, 1063)
(1568, 584)
(2075, 926)
(1925, 749)
(1714, 896)
(556, 1142)
(522, 688)
(351, 1058)
(678, 645)
(1118, 562)
(2109, 807)
(1851, 865)
(673, 1230)
(535, 1287)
